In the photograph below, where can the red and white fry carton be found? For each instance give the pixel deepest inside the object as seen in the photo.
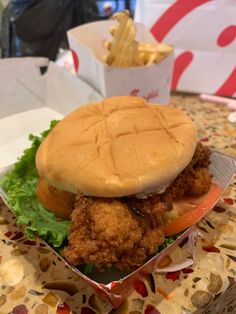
(87, 45)
(203, 33)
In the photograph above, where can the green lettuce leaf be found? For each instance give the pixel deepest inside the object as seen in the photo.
(167, 241)
(20, 186)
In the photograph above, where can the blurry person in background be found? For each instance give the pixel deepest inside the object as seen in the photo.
(17, 7)
(38, 27)
(1, 9)
(107, 9)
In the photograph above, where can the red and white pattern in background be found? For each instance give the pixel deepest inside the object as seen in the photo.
(203, 33)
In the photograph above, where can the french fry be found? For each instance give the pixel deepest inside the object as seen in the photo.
(155, 48)
(155, 52)
(125, 51)
(123, 48)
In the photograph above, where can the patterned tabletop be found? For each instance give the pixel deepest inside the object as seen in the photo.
(34, 280)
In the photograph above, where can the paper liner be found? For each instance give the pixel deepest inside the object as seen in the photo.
(222, 168)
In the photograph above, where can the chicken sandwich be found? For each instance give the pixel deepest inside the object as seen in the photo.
(115, 167)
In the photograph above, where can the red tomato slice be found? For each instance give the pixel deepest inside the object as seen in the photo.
(57, 201)
(192, 216)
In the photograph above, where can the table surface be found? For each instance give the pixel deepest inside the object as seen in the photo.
(38, 282)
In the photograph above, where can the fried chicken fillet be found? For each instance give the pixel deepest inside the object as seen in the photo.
(125, 232)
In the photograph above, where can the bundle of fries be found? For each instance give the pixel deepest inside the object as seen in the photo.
(125, 51)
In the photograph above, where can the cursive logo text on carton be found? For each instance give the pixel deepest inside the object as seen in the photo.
(151, 95)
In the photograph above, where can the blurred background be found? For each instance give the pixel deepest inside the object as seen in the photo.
(38, 27)
(106, 7)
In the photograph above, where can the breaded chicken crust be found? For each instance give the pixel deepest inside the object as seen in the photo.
(195, 179)
(126, 232)
(106, 232)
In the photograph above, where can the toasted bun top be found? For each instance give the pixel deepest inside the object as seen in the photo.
(119, 146)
